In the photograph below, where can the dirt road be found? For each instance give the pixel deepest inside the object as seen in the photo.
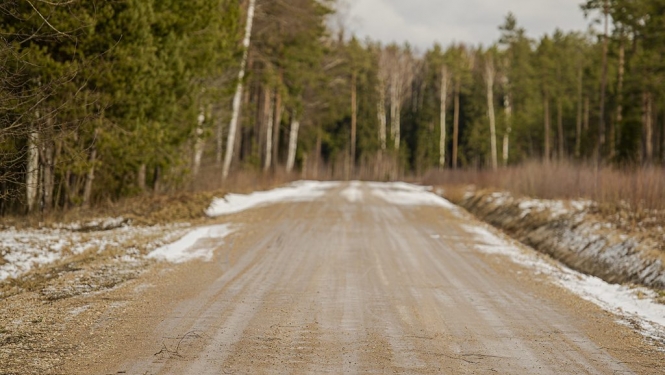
(358, 281)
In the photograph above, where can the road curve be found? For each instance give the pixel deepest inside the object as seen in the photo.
(367, 280)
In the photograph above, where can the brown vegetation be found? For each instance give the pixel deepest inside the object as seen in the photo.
(638, 188)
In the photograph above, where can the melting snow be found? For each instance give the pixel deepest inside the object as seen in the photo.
(403, 194)
(23, 250)
(189, 248)
(353, 193)
(302, 191)
(630, 303)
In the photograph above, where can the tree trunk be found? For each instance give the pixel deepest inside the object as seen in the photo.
(393, 104)
(395, 109)
(648, 127)
(156, 180)
(559, 126)
(303, 172)
(603, 84)
(587, 114)
(381, 112)
(354, 119)
(276, 128)
(32, 173)
(269, 131)
(442, 116)
(140, 177)
(616, 129)
(68, 193)
(199, 143)
(293, 144)
(662, 145)
(243, 148)
(233, 126)
(47, 158)
(546, 106)
(578, 122)
(317, 161)
(219, 124)
(489, 79)
(456, 123)
(90, 177)
(509, 127)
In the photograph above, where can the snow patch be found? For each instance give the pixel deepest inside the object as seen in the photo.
(23, 250)
(353, 193)
(95, 224)
(188, 247)
(632, 304)
(556, 208)
(403, 194)
(302, 191)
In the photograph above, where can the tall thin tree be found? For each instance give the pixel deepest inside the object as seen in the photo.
(237, 98)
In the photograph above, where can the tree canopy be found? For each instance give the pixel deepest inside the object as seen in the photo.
(102, 99)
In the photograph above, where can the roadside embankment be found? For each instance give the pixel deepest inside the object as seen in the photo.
(615, 248)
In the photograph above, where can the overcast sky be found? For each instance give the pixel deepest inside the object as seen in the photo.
(423, 22)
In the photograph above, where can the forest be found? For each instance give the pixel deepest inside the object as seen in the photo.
(105, 99)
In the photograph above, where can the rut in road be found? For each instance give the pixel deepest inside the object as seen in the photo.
(356, 282)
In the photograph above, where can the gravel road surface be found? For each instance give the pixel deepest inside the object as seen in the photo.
(365, 279)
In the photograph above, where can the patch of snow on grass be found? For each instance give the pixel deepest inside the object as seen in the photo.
(633, 304)
(403, 194)
(352, 193)
(302, 191)
(554, 208)
(188, 248)
(23, 250)
(95, 224)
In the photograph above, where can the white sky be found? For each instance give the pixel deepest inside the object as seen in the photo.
(423, 22)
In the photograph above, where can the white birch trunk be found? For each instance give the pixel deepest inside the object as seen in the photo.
(394, 108)
(199, 143)
(381, 112)
(397, 133)
(489, 77)
(233, 126)
(444, 99)
(32, 177)
(509, 129)
(293, 144)
(269, 130)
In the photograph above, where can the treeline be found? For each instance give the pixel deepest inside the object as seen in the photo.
(101, 99)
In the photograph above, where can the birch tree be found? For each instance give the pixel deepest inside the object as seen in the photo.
(199, 142)
(490, 73)
(508, 112)
(32, 173)
(401, 77)
(383, 78)
(293, 142)
(237, 98)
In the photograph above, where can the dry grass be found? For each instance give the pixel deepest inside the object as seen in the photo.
(640, 188)
(187, 204)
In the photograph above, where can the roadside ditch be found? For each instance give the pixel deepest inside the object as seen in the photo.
(620, 245)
